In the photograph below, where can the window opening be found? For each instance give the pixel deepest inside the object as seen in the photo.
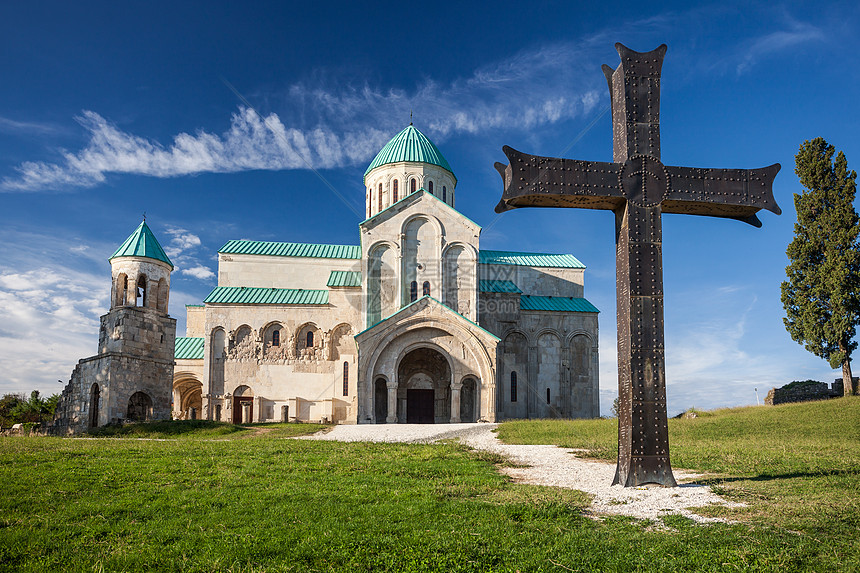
(141, 292)
(513, 386)
(276, 338)
(394, 183)
(547, 395)
(380, 197)
(430, 187)
(444, 194)
(346, 378)
(426, 289)
(310, 340)
(413, 291)
(413, 186)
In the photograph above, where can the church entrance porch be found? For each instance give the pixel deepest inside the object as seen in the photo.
(424, 387)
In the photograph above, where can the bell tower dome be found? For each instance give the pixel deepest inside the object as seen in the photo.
(140, 272)
(407, 163)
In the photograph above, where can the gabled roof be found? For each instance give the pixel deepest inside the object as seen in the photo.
(424, 299)
(409, 145)
(489, 285)
(262, 295)
(556, 303)
(277, 249)
(529, 259)
(188, 348)
(142, 243)
(421, 192)
(344, 279)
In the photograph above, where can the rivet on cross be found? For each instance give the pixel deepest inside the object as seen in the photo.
(639, 189)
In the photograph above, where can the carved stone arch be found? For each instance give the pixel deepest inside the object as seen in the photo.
(309, 332)
(187, 396)
(517, 331)
(243, 391)
(275, 340)
(341, 342)
(437, 224)
(467, 246)
(552, 331)
(579, 332)
(139, 407)
(418, 345)
(472, 344)
(381, 244)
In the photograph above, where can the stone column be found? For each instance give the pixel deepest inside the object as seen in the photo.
(392, 403)
(455, 402)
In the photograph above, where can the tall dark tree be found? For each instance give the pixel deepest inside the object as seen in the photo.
(822, 294)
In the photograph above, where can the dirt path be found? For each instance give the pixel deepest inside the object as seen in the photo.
(550, 466)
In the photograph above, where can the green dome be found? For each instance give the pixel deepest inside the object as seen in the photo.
(142, 243)
(409, 145)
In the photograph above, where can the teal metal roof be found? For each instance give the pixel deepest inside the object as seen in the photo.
(529, 259)
(409, 145)
(142, 243)
(188, 348)
(276, 249)
(498, 286)
(262, 295)
(194, 305)
(556, 303)
(344, 279)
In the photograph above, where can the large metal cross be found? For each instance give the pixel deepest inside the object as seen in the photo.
(639, 189)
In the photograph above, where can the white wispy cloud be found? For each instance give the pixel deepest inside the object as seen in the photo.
(18, 126)
(795, 34)
(337, 126)
(182, 250)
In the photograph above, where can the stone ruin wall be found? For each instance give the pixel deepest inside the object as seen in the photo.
(804, 393)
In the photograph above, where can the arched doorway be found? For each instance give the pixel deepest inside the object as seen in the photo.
(188, 398)
(139, 407)
(380, 397)
(243, 405)
(468, 397)
(94, 406)
(424, 387)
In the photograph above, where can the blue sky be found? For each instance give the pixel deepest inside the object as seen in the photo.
(209, 117)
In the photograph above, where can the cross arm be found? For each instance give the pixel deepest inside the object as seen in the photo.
(534, 181)
(730, 193)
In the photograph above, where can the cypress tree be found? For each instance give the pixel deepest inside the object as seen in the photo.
(822, 294)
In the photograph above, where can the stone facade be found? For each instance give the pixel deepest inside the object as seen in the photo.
(413, 338)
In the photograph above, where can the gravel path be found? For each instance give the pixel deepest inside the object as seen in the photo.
(550, 466)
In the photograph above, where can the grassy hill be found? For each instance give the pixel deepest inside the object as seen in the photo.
(214, 497)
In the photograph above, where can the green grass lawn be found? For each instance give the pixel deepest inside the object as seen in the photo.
(214, 497)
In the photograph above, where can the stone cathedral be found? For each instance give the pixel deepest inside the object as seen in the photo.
(415, 324)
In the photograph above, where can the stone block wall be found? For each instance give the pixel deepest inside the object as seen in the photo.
(803, 392)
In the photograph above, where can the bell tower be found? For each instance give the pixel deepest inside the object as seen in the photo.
(131, 377)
